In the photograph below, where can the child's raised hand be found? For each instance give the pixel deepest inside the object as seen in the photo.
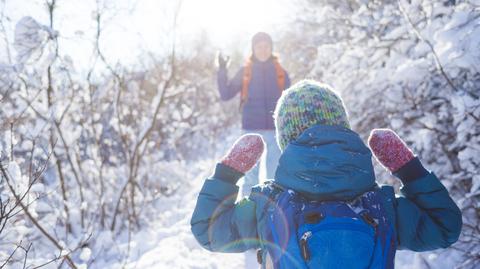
(389, 149)
(244, 153)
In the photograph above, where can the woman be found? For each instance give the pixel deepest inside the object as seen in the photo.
(260, 83)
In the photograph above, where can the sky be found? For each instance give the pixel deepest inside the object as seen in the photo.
(133, 26)
(225, 19)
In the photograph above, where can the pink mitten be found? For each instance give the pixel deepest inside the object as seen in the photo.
(389, 149)
(244, 153)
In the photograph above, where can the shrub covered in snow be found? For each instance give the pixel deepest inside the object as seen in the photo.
(86, 154)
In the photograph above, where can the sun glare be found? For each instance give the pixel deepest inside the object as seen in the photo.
(226, 20)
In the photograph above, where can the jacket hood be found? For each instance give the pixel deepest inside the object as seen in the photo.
(327, 163)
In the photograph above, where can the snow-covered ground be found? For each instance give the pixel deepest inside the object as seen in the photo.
(169, 243)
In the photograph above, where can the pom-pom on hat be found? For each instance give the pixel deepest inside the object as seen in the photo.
(305, 104)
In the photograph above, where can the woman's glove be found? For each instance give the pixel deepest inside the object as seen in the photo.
(222, 60)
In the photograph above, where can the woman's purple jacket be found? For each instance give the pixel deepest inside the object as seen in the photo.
(263, 93)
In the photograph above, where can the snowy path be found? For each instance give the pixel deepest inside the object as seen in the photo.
(169, 242)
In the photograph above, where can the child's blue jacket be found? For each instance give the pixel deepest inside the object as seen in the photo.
(327, 163)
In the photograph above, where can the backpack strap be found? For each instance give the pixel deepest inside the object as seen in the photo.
(280, 74)
(247, 77)
(266, 195)
(377, 202)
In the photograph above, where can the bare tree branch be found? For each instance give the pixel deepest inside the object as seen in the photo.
(135, 159)
(34, 220)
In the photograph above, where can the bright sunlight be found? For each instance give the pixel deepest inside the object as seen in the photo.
(224, 20)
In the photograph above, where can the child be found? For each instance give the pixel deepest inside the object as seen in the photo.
(324, 209)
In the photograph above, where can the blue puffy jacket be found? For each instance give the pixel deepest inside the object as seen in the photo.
(326, 163)
(263, 93)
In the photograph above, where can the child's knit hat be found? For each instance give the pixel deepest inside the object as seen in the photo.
(305, 104)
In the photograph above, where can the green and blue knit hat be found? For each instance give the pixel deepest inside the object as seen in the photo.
(305, 104)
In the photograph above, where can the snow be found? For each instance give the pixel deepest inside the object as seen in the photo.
(167, 242)
(86, 254)
(386, 75)
(475, 184)
(30, 36)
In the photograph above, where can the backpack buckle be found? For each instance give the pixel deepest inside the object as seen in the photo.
(313, 217)
(260, 256)
(304, 247)
(369, 220)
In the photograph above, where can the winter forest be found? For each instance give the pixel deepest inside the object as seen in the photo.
(110, 117)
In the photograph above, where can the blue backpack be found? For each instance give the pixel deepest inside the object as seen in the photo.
(305, 234)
